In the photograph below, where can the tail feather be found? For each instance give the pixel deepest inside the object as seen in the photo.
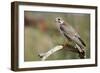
(82, 41)
(82, 55)
(81, 52)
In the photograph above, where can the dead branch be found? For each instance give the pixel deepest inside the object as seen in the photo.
(67, 47)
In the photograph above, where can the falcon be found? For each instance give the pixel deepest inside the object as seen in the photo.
(70, 34)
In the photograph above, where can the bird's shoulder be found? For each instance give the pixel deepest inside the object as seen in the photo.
(69, 29)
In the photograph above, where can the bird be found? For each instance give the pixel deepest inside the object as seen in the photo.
(70, 34)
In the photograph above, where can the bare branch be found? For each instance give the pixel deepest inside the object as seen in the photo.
(53, 50)
(68, 47)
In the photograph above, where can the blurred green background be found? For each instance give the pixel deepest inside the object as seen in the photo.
(41, 34)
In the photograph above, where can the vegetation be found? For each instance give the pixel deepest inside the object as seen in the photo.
(41, 34)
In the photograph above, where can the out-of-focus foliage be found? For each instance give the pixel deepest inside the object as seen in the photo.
(41, 34)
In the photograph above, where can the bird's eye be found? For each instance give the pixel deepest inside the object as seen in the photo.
(59, 19)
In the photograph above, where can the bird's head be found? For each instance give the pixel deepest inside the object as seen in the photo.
(59, 20)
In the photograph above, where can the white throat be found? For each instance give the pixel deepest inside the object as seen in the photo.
(61, 22)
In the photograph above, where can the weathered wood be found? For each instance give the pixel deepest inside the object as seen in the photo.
(66, 46)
